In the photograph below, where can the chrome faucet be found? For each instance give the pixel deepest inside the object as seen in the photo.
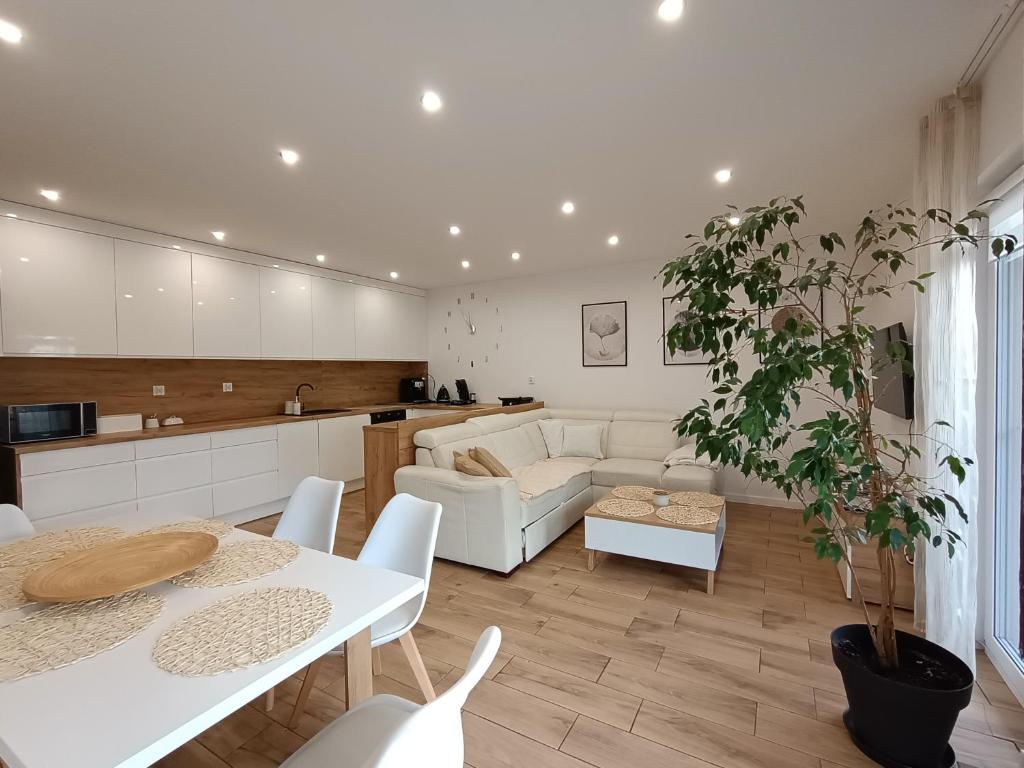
(298, 389)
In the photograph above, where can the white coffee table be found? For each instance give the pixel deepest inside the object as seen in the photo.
(651, 538)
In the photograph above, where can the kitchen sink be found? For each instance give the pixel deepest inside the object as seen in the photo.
(324, 411)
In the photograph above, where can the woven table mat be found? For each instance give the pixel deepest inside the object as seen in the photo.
(242, 631)
(218, 528)
(624, 507)
(689, 515)
(11, 595)
(63, 634)
(54, 544)
(634, 492)
(240, 562)
(696, 499)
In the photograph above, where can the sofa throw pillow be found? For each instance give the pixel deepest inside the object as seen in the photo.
(686, 454)
(468, 466)
(583, 441)
(489, 462)
(552, 430)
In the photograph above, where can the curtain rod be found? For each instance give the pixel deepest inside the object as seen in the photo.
(995, 33)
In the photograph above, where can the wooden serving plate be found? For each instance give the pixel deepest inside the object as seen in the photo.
(117, 567)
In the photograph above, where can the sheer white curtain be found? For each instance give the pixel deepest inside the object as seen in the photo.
(946, 363)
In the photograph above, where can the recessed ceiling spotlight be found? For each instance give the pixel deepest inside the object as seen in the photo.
(431, 101)
(288, 156)
(321, 258)
(734, 221)
(11, 215)
(276, 266)
(159, 290)
(568, 207)
(218, 235)
(515, 255)
(129, 296)
(454, 230)
(176, 247)
(9, 33)
(613, 240)
(723, 175)
(670, 10)
(394, 276)
(465, 264)
(50, 194)
(23, 259)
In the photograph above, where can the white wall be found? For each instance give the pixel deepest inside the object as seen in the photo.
(1002, 111)
(531, 327)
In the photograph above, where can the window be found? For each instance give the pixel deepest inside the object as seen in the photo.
(1008, 545)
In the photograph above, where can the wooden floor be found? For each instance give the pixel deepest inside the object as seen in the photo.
(630, 665)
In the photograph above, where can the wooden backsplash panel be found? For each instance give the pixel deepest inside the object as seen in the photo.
(193, 387)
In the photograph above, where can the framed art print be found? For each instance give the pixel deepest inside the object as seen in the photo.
(604, 334)
(674, 311)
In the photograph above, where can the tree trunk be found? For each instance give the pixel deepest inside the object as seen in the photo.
(885, 632)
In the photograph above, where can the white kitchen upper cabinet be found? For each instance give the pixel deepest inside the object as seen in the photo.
(225, 307)
(334, 320)
(154, 300)
(56, 290)
(341, 447)
(286, 315)
(374, 321)
(409, 327)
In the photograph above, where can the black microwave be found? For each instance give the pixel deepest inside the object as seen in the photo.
(47, 421)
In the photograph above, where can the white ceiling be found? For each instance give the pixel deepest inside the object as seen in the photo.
(167, 116)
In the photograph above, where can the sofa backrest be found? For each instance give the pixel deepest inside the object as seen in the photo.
(642, 435)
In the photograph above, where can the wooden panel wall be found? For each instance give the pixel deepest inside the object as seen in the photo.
(193, 387)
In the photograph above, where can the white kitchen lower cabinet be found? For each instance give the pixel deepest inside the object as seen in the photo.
(76, 458)
(244, 460)
(297, 454)
(341, 447)
(194, 502)
(244, 493)
(125, 514)
(58, 493)
(166, 474)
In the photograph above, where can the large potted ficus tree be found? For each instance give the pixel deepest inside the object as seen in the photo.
(904, 692)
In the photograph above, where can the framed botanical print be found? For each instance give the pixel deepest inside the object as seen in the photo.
(604, 334)
(775, 318)
(674, 311)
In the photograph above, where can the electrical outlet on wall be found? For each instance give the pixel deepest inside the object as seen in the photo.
(158, 390)
(228, 386)
(531, 380)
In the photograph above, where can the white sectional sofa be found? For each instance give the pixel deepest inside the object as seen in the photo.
(499, 522)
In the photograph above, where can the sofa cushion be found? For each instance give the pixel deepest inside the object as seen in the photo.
(612, 472)
(489, 462)
(532, 432)
(432, 438)
(469, 466)
(512, 447)
(552, 431)
(628, 439)
(690, 477)
(443, 454)
(584, 441)
(548, 483)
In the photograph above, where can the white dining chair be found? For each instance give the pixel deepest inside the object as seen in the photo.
(389, 732)
(14, 523)
(311, 517)
(402, 539)
(310, 520)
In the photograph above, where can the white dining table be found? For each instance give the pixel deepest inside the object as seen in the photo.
(120, 710)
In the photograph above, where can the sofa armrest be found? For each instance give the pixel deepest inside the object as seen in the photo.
(481, 517)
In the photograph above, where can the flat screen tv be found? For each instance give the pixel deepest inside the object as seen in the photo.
(893, 388)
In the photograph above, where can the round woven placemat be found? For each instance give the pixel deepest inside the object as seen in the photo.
(218, 528)
(63, 634)
(624, 507)
(688, 515)
(11, 595)
(634, 492)
(239, 562)
(242, 631)
(54, 544)
(696, 499)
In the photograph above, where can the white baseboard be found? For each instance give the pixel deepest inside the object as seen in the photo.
(765, 501)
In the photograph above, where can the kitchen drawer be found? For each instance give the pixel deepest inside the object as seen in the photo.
(75, 458)
(122, 515)
(244, 460)
(168, 446)
(195, 502)
(244, 493)
(166, 474)
(58, 493)
(242, 436)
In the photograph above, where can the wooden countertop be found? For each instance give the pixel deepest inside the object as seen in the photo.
(219, 426)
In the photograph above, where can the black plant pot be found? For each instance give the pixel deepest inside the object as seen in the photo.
(902, 720)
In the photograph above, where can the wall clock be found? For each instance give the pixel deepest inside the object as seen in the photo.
(473, 330)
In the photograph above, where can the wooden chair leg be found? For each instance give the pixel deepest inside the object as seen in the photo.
(307, 688)
(269, 703)
(412, 653)
(378, 662)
